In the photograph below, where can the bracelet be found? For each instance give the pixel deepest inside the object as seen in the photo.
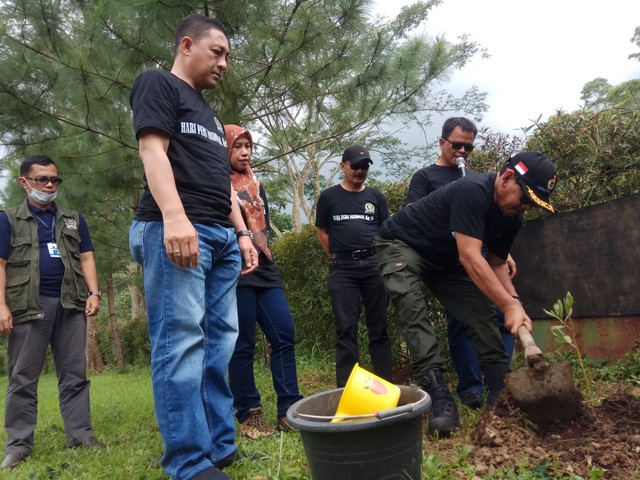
(244, 233)
(519, 299)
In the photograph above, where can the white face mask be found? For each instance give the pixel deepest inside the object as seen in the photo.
(41, 197)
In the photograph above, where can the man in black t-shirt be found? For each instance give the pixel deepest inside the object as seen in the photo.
(456, 143)
(437, 243)
(347, 218)
(184, 234)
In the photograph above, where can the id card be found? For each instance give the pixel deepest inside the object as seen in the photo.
(53, 250)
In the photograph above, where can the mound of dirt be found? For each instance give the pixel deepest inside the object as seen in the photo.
(606, 437)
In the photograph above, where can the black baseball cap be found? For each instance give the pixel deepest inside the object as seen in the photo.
(355, 155)
(536, 175)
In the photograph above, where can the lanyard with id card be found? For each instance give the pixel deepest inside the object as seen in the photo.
(53, 250)
(52, 246)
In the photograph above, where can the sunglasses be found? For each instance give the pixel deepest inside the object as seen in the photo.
(524, 199)
(359, 166)
(458, 145)
(46, 180)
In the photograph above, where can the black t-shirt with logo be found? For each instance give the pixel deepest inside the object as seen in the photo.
(465, 206)
(351, 218)
(197, 147)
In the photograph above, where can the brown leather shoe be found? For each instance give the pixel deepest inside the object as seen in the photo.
(90, 442)
(255, 426)
(12, 460)
(284, 425)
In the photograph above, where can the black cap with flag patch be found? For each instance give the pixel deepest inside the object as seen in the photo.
(536, 175)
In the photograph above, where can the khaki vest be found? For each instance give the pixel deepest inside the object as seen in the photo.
(23, 264)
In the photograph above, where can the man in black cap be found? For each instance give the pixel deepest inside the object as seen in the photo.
(437, 243)
(347, 218)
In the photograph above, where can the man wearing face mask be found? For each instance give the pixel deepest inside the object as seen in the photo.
(347, 218)
(48, 284)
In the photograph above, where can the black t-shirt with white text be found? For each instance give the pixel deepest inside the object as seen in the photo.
(351, 218)
(197, 147)
(465, 206)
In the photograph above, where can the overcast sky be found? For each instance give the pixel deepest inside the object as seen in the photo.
(542, 51)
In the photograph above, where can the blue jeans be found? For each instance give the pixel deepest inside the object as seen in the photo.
(464, 357)
(193, 326)
(268, 308)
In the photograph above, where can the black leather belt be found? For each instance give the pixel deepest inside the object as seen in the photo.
(354, 254)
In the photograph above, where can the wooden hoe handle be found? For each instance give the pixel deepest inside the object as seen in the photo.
(532, 354)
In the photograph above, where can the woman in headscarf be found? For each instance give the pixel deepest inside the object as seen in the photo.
(261, 301)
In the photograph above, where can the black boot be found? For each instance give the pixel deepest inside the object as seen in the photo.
(494, 380)
(443, 415)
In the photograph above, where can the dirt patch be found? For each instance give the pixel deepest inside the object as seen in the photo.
(605, 437)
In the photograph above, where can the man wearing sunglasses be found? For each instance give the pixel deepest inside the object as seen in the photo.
(456, 141)
(347, 218)
(455, 242)
(48, 284)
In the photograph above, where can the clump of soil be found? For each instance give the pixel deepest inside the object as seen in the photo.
(605, 437)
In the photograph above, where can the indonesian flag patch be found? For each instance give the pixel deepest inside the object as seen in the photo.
(521, 168)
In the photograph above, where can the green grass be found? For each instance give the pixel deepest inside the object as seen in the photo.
(123, 417)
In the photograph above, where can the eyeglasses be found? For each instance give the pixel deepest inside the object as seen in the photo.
(46, 180)
(359, 166)
(458, 145)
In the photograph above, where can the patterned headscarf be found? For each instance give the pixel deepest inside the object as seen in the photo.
(247, 188)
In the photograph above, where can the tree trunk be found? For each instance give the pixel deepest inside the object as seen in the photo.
(113, 321)
(94, 355)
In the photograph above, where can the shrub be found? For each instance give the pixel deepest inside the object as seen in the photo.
(303, 266)
(134, 337)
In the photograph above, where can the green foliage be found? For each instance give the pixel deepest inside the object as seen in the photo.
(594, 93)
(303, 266)
(309, 77)
(134, 337)
(494, 151)
(626, 369)
(133, 332)
(565, 335)
(597, 155)
(395, 193)
(282, 221)
(636, 39)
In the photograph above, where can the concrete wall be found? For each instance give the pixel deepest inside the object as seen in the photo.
(594, 253)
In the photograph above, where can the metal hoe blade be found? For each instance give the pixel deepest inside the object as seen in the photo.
(544, 392)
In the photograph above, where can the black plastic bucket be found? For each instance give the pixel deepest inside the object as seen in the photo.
(388, 448)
